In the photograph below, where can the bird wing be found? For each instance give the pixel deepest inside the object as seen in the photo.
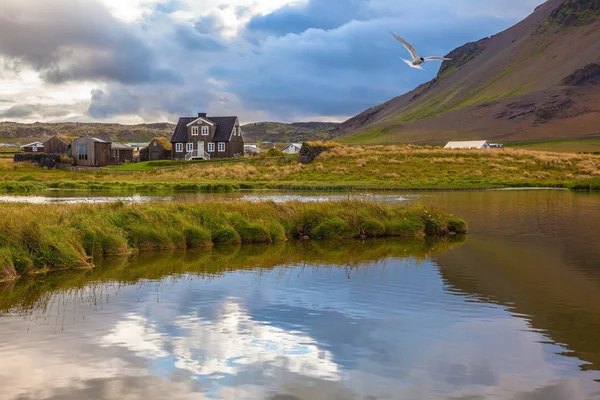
(411, 49)
(438, 58)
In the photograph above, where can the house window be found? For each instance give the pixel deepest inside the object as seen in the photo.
(189, 147)
(211, 147)
(179, 147)
(205, 131)
(194, 130)
(82, 151)
(221, 146)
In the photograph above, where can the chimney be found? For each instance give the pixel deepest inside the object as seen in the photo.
(201, 115)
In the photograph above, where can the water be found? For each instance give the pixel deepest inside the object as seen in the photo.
(510, 312)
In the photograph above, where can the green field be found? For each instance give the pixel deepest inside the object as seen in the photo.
(561, 146)
(339, 168)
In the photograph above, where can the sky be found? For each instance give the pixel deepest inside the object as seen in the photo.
(136, 61)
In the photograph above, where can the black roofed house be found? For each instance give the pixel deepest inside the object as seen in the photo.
(205, 137)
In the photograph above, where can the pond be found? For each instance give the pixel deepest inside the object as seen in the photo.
(510, 312)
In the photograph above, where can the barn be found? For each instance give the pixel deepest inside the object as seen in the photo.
(121, 153)
(35, 147)
(58, 144)
(469, 144)
(90, 151)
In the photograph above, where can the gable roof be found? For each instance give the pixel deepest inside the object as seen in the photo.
(164, 143)
(93, 139)
(469, 144)
(223, 134)
(121, 146)
(38, 144)
(298, 145)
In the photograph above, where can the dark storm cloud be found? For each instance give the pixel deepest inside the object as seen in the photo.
(71, 40)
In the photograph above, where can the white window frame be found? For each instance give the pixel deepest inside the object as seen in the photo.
(205, 130)
(221, 146)
(189, 146)
(211, 147)
(179, 147)
(194, 131)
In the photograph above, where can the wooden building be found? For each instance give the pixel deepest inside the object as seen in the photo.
(292, 148)
(204, 137)
(58, 144)
(158, 149)
(120, 153)
(89, 151)
(35, 147)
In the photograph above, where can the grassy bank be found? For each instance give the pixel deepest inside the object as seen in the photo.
(340, 168)
(40, 238)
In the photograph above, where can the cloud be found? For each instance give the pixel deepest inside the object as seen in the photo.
(36, 110)
(280, 60)
(70, 40)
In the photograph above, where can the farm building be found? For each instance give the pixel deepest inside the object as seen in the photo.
(251, 149)
(121, 153)
(292, 148)
(204, 137)
(35, 147)
(470, 144)
(89, 151)
(157, 149)
(58, 144)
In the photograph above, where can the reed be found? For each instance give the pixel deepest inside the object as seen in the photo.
(37, 238)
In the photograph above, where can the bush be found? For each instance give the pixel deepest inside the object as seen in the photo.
(196, 237)
(226, 235)
(334, 228)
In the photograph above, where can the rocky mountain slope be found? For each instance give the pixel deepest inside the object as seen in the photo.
(12, 132)
(539, 79)
(288, 133)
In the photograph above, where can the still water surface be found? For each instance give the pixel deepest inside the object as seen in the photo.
(510, 312)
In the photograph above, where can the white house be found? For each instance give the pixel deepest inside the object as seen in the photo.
(292, 148)
(35, 147)
(251, 149)
(469, 144)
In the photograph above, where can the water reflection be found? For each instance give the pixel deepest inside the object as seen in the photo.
(382, 319)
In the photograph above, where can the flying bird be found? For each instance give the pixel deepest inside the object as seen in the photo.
(417, 60)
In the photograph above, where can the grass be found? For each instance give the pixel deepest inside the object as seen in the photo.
(561, 146)
(339, 168)
(36, 238)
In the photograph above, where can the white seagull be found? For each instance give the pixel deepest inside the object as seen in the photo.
(417, 60)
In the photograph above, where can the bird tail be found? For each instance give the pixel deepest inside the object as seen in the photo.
(410, 64)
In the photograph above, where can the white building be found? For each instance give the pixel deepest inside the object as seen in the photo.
(292, 148)
(469, 144)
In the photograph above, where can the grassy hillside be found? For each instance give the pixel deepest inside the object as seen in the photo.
(340, 168)
(12, 132)
(527, 83)
(278, 132)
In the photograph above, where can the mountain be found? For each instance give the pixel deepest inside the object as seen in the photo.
(288, 133)
(537, 80)
(13, 132)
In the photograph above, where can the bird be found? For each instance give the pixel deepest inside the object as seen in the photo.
(417, 60)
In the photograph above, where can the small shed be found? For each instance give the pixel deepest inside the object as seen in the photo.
(35, 147)
(58, 144)
(158, 149)
(121, 153)
(90, 151)
(251, 149)
(292, 148)
(470, 144)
